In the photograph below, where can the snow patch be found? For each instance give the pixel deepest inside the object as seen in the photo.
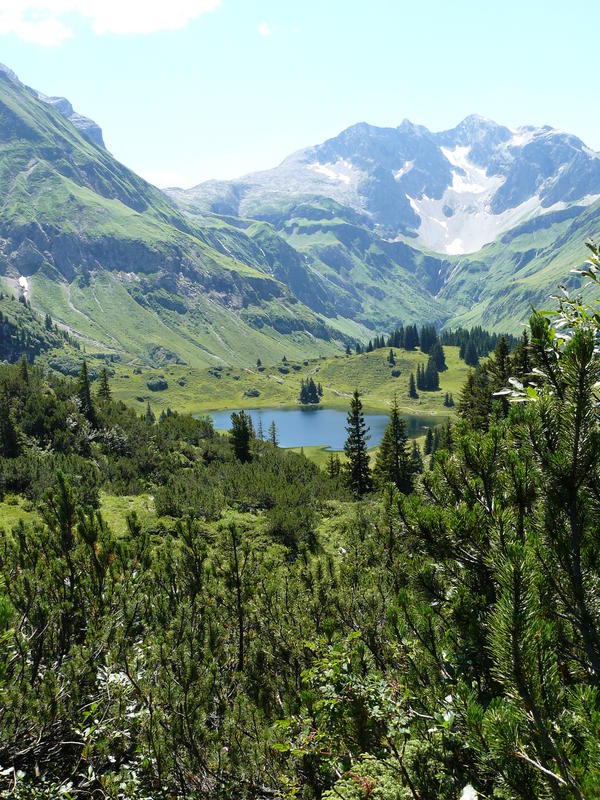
(472, 224)
(522, 136)
(340, 171)
(455, 248)
(471, 178)
(408, 165)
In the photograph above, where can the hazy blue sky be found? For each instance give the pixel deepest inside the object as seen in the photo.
(187, 90)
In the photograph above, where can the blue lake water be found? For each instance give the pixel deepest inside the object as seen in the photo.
(303, 427)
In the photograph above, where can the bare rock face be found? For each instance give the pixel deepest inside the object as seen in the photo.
(90, 129)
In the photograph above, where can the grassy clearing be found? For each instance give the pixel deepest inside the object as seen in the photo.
(15, 508)
(202, 390)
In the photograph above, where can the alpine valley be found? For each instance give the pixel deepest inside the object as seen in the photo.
(374, 228)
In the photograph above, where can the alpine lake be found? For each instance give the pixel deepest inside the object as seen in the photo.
(320, 427)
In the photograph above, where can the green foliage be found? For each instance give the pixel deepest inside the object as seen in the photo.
(267, 636)
(393, 463)
(357, 471)
(309, 392)
(241, 435)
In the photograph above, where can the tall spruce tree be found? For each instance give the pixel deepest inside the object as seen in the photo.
(416, 459)
(428, 447)
(273, 437)
(471, 357)
(357, 469)
(149, 416)
(393, 463)
(241, 435)
(499, 370)
(438, 356)
(522, 363)
(104, 392)
(431, 378)
(85, 398)
(333, 465)
(428, 338)
(412, 389)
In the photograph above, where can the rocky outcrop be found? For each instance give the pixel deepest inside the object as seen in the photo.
(90, 129)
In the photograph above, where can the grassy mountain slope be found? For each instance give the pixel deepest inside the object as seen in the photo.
(109, 257)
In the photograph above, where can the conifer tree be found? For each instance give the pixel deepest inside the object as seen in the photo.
(416, 459)
(411, 337)
(357, 469)
(412, 389)
(393, 463)
(522, 362)
(273, 437)
(309, 392)
(149, 416)
(430, 378)
(471, 357)
(428, 447)
(428, 338)
(241, 435)
(391, 359)
(85, 398)
(438, 356)
(333, 465)
(104, 392)
(499, 370)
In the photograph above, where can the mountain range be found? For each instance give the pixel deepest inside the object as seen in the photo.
(373, 228)
(452, 192)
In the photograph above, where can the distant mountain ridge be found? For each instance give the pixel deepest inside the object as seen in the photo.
(451, 192)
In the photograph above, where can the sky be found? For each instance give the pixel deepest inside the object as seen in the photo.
(190, 90)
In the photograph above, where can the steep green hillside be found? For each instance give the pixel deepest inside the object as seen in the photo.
(497, 286)
(23, 332)
(109, 257)
(338, 265)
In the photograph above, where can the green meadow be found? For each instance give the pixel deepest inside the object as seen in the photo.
(199, 391)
